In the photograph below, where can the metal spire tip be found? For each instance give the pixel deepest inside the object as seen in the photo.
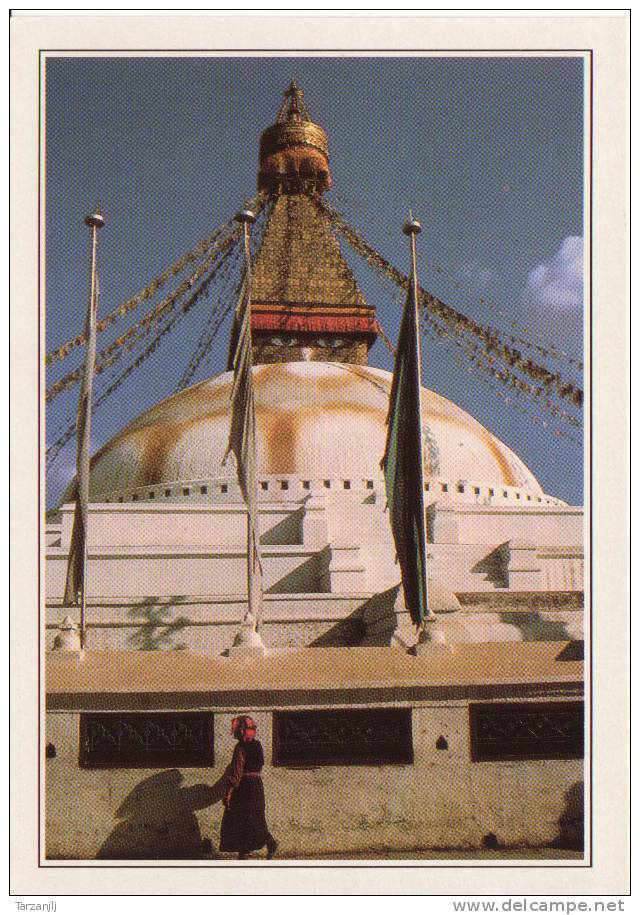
(95, 219)
(246, 215)
(412, 226)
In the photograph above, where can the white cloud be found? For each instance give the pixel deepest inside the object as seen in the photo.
(557, 282)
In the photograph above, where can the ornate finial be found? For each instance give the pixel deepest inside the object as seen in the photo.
(293, 107)
(293, 90)
(294, 152)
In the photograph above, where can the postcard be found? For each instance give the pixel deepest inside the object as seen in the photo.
(319, 353)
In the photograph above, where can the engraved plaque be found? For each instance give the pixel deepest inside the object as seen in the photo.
(531, 730)
(345, 737)
(143, 740)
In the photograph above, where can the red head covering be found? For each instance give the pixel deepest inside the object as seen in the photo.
(243, 727)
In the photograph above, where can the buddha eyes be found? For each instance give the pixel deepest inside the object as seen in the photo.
(322, 342)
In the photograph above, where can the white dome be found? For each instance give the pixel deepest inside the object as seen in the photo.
(315, 421)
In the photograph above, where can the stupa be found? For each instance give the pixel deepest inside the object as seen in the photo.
(480, 743)
(167, 516)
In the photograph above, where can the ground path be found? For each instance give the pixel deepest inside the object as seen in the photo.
(430, 854)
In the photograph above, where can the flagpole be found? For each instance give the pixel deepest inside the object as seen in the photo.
(413, 228)
(77, 583)
(254, 583)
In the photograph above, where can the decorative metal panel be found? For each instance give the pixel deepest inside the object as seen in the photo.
(532, 730)
(346, 737)
(143, 740)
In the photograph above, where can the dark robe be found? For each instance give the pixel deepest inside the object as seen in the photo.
(244, 827)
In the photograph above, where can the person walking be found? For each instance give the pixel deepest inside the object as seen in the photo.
(244, 826)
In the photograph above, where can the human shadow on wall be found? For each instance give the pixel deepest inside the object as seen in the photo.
(571, 820)
(158, 819)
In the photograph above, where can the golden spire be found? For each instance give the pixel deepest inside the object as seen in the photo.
(293, 107)
(294, 152)
(306, 304)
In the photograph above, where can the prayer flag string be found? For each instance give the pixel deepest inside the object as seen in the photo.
(61, 352)
(489, 338)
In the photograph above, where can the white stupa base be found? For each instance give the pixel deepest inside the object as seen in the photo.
(441, 598)
(248, 642)
(435, 634)
(67, 637)
(431, 639)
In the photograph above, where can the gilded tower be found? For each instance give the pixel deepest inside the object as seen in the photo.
(306, 304)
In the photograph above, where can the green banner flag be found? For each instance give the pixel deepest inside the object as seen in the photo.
(402, 466)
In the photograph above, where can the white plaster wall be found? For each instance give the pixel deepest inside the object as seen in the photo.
(165, 572)
(562, 571)
(442, 800)
(177, 524)
(304, 620)
(182, 549)
(553, 526)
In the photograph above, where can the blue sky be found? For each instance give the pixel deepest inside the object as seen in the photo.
(487, 152)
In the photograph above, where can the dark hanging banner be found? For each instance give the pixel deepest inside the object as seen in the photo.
(402, 465)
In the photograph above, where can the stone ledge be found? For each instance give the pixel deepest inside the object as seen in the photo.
(261, 700)
(179, 551)
(209, 599)
(521, 600)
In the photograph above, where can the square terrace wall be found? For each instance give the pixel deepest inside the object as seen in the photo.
(442, 799)
(339, 545)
